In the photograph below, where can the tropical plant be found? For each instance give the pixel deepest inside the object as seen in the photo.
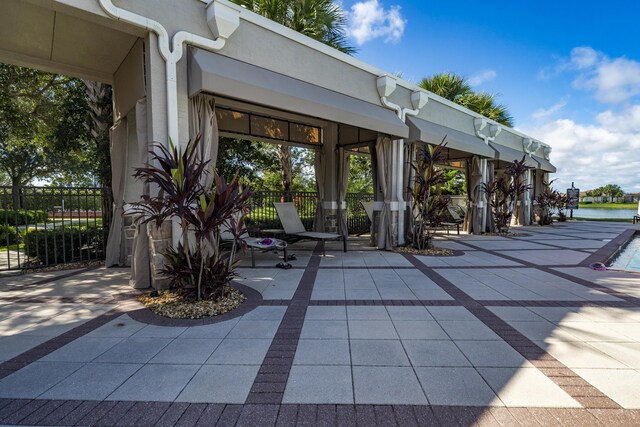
(428, 207)
(199, 268)
(504, 193)
(456, 88)
(544, 204)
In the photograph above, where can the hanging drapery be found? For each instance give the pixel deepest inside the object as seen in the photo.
(343, 185)
(383, 152)
(140, 262)
(118, 135)
(376, 191)
(467, 180)
(527, 198)
(475, 188)
(407, 185)
(203, 122)
(490, 219)
(319, 165)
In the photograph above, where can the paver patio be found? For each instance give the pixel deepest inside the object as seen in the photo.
(511, 331)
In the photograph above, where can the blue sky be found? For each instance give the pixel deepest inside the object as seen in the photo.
(569, 71)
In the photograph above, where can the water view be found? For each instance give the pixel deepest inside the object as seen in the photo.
(604, 213)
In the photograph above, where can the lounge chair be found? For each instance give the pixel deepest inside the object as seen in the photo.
(292, 225)
(456, 220)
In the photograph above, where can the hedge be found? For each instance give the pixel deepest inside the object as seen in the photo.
(10, 232)
(22, 216)
(71, 243)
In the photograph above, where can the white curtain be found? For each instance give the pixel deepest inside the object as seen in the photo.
(408, 174)
(203, 122)
(376, 191)
(118, 135)
(473, 217)
(319, 165)
(343, 185)
(383, 153)
(527, 198)
(491, 223)
(140, 262)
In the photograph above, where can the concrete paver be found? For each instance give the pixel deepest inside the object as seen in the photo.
(390, 353)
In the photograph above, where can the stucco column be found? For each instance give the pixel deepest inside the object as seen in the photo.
(155, 79)
(330, 182)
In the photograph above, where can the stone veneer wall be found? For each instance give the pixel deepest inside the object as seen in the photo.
(129, 229)
(159, 240)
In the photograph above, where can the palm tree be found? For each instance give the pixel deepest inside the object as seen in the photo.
(322, 20)
(485, 104)
(447, 85)
(456, 88)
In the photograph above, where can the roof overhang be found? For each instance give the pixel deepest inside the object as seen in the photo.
(508, 154)
(544, 164)
(220, 75)
(432, 133)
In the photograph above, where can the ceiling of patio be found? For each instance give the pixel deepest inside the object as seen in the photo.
(78, 45)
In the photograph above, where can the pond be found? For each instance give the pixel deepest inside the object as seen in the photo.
(603, 213)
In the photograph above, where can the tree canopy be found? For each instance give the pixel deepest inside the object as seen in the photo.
(456, 88)
(43, 126)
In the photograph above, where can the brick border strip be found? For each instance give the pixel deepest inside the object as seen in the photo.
(572, 384)
(74, 412)
(269, 385)
(608, 251)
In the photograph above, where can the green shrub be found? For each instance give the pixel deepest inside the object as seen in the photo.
(71, 243)
(9, 235)
(22, 216)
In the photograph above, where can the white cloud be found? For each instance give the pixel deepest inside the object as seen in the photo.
(482, 77)
(592, 155)
(369, 20)
(543, 113)
(611, 80)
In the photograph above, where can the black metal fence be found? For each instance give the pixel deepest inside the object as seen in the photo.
(42, 226)
(357, 219)
(263, 215)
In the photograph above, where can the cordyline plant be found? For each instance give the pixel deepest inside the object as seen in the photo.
(428, 208)
(548, 201)
(197, 268)
(504, 193)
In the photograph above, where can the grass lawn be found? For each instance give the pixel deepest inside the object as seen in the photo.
(13, 247)
(608, 205)
(603, 219)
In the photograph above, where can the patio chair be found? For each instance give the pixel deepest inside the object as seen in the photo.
(456, 220)
(292, 225)
(636, 217)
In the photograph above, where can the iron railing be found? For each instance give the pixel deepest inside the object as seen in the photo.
(43, 226)
(357, 219)
(263, 215)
